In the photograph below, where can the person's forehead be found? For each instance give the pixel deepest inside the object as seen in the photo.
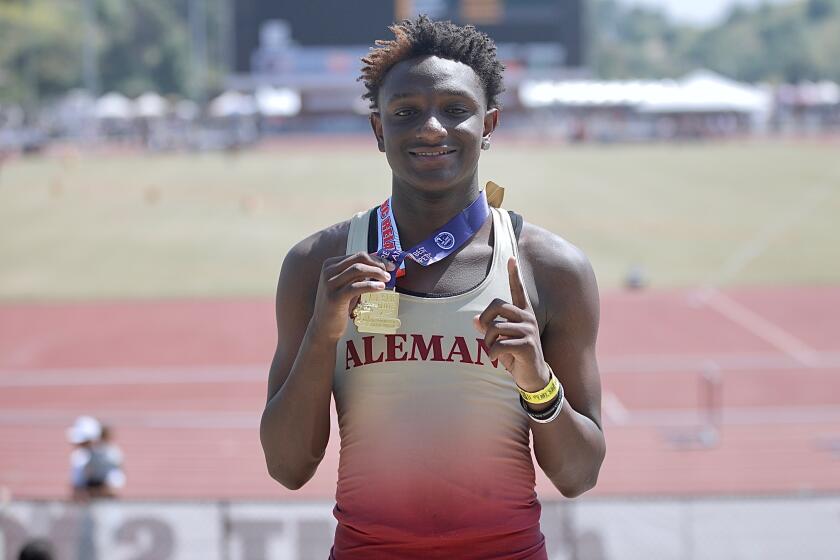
(431, 75)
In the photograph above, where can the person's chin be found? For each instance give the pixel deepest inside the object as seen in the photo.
(434, 180)
(435, 174)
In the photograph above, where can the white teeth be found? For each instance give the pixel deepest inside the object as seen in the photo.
(434, 153)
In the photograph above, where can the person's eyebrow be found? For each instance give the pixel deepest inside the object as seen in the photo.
(450, 92)
(401, 95)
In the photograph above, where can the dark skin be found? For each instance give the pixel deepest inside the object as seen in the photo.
(432, 117)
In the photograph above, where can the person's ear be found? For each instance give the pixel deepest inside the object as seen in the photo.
(376, 125)
(491, 121)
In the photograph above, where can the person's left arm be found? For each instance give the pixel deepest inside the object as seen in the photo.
(571, 448)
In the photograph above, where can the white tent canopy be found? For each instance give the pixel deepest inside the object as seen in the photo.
(699, 92)
(590, 92)
(706, 92)
(150, 105)
(278, 102)
(114, 106)
(233, 104)
(810, 94)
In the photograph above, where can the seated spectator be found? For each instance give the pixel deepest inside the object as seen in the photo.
(95, 463)
(116, 477)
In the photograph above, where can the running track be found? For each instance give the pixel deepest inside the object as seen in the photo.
(183, 384)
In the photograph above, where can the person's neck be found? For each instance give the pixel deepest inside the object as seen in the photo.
(419, 213)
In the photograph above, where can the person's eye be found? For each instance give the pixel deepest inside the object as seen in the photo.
(457, 110)
(403, 112)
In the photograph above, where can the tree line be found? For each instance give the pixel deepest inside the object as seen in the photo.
(772, 43)
(142, 45)
(136, 46)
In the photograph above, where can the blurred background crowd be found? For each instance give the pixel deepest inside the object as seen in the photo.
(215, 74)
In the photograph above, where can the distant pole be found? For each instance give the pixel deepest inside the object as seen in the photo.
(198, 48)
(90, 70)
(712, 391)
(227, 34)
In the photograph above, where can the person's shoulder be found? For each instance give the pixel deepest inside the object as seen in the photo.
(562, 275)
(315, 249)
(301, 270)
(550, 254)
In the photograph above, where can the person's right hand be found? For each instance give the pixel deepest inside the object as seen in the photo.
(343, 280)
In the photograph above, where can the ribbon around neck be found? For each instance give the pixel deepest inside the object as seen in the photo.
(443, 242)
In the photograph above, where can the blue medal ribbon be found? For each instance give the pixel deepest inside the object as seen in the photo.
(442, 243)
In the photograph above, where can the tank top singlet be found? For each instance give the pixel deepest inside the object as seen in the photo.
(435, 459)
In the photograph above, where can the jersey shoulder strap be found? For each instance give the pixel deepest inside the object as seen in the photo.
(516, 221)
(373, 235)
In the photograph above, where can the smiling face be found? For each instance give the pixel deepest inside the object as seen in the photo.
(432, 117)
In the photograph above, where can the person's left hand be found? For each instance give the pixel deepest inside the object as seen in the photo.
(512, 335)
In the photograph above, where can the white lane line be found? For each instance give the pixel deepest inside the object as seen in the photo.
(614, 409)
(693, 363)
(56, 377)
(738, 416)
(250, 419)
(193, 419)
(738, 261)
(764, 329)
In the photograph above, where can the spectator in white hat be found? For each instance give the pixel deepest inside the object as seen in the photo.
(95, 465)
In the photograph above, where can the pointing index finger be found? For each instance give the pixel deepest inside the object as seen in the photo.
(519, 297)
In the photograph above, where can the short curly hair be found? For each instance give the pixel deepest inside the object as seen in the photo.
(422, 36)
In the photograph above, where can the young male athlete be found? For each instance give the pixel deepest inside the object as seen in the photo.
(489, 333)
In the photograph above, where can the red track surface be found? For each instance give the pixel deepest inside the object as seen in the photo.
(183, 384)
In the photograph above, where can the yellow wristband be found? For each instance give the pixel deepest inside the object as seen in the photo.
(546, 394)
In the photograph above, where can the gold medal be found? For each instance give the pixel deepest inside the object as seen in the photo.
(378, 312)
(495, 194)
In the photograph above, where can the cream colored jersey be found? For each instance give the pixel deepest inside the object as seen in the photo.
(435, 458)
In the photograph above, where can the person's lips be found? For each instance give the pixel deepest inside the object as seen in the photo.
(431, 152)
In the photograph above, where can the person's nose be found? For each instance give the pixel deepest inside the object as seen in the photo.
(431, 130)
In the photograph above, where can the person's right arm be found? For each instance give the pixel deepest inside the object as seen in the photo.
(314, 295)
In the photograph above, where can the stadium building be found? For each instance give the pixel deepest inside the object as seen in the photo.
(313, 49)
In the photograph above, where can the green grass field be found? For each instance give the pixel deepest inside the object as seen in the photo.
(135, 226)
